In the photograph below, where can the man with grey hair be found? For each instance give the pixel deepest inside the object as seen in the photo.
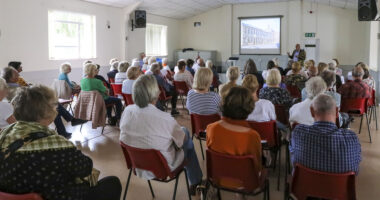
(322, 146)
(300, 112)
(10, 75)
(144, 126)
(356, 88)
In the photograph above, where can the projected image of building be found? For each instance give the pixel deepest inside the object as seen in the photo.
(255, 37)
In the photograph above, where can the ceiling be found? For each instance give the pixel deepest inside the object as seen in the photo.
(181, 9)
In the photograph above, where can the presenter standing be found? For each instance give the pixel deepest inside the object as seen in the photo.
(298, 54)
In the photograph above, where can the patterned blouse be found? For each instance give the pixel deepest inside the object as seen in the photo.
(296, 80)
(278, 96)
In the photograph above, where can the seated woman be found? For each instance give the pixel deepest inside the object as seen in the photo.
(113, 69)
(132, 74)
(10, 75)
(45, 162)
(264, 109)
(65, 70)
(90, 83)
(121, 75)
(274, 93)
(232, 76)
(159, 131)
(6, 109)
(270, 65)
(211, 66)
(183, 74)
(232, 135)
(17, 66)
(199, 99)
(250, 68)
(100, 77)
(296, 77)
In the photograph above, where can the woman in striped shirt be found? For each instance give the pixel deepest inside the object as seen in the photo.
(199, 99)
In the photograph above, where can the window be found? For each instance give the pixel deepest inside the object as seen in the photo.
(71, 36)
(156, 40)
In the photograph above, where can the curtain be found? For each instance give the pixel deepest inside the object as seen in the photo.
(156, 40)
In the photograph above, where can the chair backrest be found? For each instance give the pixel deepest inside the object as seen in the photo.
(215, 82)
(90, 106)
(282, 114)
(162, 95)
(111, 80)
(127, 99)
(311, 183)
(181, 87)
(239, 169)
(372, 100)
(30, 196)
(267, 131)
(116, 88)
(358, 105)
(62, 89)
(199, 122)
(146, 159)
(294, 91)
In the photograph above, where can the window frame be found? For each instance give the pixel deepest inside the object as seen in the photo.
(166, 36)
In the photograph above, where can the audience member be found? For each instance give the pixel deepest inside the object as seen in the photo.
(322, 67)
(312, 71)
(65, 69)
(274, 93)
(6, 109)
(100, 77)
(250, 68)
(166, 71)
(288, 67)
(295, 77)
(200, 100)
(264, 110)
(44, 162)
(151, 61)
(90, 83)
(307, 65)
(232, 135)
(357, 88)
(367, 78)
(232, 76)
(17, 66)
(158, 131)
(270, 65)
(113, 70)
(141, 59)
(200, 63)
(300, 112)
(189, 65)
(339, 79)
(321, 145)
(277, 65)
(145, 65)
(121, 75)
(10, 75)
(132, 74)
(211, 66)
(183, 74)
(336, 64)
(169, 89)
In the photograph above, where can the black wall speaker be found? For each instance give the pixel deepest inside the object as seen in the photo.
(367, 10)
(140, 18)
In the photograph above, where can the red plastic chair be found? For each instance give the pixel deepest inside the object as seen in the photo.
(282, 114)
(182, 90)
(268, 131)
(294, 91)
(151, 160)
(215, 83)
(111, 80)
(116, 89)
(311, 183)
(128, 100)
(372, 107)
(241, 169)
(199, 124)
(162, 97)
(356, 107)
(30, 196)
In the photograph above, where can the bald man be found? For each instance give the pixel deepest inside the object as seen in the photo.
(298, 55)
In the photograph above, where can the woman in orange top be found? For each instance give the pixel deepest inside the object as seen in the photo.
(232, 135)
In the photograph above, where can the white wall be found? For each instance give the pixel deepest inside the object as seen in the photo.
(340, 33)
(24, 32)
(136, 38)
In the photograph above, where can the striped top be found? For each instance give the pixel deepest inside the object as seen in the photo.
(203, 104)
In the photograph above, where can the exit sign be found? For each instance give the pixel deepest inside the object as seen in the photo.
(309, 34)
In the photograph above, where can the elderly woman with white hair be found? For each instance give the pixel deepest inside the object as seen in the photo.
(65, 69)
(6, 109)
(132, 74)
(300, 112)
(232, 74)
(159, 131)
(121, 75)
(273, 91)
(90, 83)
(113, 70)
(145, 64)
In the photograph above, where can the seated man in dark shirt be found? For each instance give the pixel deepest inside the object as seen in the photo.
(357, 88)
(323, 146)
(169, 89)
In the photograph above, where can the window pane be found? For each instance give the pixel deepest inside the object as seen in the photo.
(66, 52)
(156, 40)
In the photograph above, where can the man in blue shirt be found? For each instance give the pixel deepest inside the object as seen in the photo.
(323, 146)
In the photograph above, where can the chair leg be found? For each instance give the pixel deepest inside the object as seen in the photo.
(268, 192)
(151, 189)
(175, 187)
(80, 130)
(374, 108)
(126, 187)
(219, 196)
(279, 169)
(200, 143)
(369, 130)
(103, 129)
(187, 184)
(360, 126)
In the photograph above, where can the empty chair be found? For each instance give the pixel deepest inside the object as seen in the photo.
(116, 88)
(311, 183)
(30, 196)
(182, 90)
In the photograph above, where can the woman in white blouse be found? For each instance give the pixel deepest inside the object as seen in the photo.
(6, 109)
(183, 74)
(158, 131)
(132, 74)
(121, 75)
(264, 110)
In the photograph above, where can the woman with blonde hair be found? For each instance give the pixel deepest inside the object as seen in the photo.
(200, 100)
(274, 93)
(121, 75)
(296, 78)
(6, 109)
(322, 67)
(232, 76)
(132, 74)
